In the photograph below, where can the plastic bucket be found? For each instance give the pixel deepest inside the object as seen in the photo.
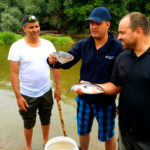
(61, 143)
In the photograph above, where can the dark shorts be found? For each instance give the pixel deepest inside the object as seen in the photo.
(105, 117)
(44, 106)
(128, 142)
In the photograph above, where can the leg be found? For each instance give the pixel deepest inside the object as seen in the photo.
(111, 144)
(128, 142)
(84, 141)
(29, 119)
(85, 118)
(106, 124)
(45, 108)
(143, 145)
(45, 131)
(28, 137)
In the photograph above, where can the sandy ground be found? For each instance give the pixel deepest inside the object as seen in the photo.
(11, 125)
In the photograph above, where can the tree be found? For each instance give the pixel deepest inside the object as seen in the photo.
(9, 23)
(77, 11)
(142, 6)
(65, 15)
(57, 18)
(37, 8)
(117, 10)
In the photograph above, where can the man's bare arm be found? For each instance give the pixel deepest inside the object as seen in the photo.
(57, 93)
(110, 88)
(14, 65)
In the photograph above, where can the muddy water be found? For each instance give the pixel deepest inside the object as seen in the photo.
(11, 125)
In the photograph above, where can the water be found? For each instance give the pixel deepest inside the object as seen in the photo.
(11, 125)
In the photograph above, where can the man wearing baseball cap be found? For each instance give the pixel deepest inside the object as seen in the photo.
(98, 53)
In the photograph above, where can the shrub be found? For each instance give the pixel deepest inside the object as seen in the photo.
(59, 41)
(9, 23)
(7, 38)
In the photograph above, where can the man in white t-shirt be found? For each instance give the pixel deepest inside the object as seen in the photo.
(30, 78)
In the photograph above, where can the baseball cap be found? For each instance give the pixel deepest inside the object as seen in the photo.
(29, 18)
(100, 14)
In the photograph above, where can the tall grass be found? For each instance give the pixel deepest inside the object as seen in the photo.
(59, 41)
(7, 38)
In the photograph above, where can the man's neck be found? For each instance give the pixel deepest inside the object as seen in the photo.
(99, 42)
(142, 46)
(33, 42)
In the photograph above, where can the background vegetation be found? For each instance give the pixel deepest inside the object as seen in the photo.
(7, 38)
(65, 16)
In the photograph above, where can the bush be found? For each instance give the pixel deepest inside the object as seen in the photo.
(7, 38)
(9, 23)
(59, 41)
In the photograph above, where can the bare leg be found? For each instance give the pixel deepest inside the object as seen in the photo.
(45, 131)
(28, 137)
(84, 141)
(111, 144)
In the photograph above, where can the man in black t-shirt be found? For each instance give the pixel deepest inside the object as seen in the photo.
(131, 76)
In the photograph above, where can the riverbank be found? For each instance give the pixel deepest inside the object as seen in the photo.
(11, 127)
(56, 33)
(7, 38)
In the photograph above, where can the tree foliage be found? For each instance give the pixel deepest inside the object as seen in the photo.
(117, 10)
(77, 12)
(9, 23)
(65, 15)
(58, 19)
(139, 6)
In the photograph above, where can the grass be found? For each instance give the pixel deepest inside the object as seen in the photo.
(59, 41)
(7, 38)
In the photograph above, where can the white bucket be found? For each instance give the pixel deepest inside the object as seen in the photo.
(61, 143)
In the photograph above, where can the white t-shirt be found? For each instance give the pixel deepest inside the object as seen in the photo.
(34, 72)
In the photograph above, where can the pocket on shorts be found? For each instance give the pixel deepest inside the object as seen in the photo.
(49, 97)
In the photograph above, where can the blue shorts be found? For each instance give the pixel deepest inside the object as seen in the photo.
(105, 117)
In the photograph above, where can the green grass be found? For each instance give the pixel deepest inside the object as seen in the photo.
(59, 41)
(7, 38)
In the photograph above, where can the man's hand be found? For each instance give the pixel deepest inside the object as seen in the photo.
(22, 103)
(52, 59)
(79, 90)
(57, 94)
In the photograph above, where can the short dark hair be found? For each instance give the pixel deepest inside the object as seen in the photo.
(138, 19)
(29, 18)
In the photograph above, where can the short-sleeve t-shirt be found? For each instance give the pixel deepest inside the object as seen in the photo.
(34, 72)
(133, 74)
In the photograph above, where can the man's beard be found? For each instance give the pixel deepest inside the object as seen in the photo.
(130, 46)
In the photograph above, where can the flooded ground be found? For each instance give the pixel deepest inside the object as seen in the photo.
(11, 125)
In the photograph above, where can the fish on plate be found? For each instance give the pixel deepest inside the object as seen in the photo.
(87, 88)
(63, 57)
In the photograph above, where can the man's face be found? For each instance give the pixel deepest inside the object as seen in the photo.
(32, 30)
(99, 30)
(126, 35)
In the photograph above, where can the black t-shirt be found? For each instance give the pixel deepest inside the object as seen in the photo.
(133, 74)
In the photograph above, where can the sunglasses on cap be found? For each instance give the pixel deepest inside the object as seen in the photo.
(32, 19)
(29, 18)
